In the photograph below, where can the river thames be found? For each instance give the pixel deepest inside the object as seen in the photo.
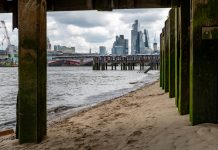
(71, 88)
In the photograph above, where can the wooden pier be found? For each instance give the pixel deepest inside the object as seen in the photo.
(126, 62)
(189, 43)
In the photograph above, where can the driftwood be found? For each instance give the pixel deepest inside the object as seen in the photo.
(6, 132)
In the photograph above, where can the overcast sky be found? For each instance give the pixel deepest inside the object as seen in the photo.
(91, 29)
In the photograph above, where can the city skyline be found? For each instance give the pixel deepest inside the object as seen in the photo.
(139, 40)
(78, 29)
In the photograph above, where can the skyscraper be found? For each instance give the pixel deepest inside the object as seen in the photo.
(134, 37)
(120, 46)
(139, 40)
(146, 38)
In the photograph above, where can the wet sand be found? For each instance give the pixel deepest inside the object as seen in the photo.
(146, 119)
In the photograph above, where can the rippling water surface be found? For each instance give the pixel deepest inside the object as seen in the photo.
(71, 88)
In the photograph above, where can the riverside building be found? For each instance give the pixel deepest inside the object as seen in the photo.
(102, 50)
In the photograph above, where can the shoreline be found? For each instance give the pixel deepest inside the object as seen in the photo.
(145, 119)
(56, 107)
(75, 111)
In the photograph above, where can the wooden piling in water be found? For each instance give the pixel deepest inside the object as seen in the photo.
(125, 62)
(32, 71)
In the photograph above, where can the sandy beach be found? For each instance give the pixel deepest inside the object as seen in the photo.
(146, 119)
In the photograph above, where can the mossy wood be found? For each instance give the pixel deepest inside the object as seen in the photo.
(177, 54)
(172, 54)
(161, 70)
(163, 57)
(166, 55)
(184, 15)
(32, 71)
(203, 64)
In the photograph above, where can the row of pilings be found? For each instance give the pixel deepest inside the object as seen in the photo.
(188, 68)
(196, 44)
(126, 62)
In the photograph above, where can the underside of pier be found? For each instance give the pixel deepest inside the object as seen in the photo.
(189, 44)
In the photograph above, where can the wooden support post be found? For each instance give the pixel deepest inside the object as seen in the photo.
(93, 64)
(172, 54)
(32, 71)
(102, 66)
(163, 57)
(115, 63)
(166, 55)
(203, 64)
(183, 104)
(161, 80)
(177, 54)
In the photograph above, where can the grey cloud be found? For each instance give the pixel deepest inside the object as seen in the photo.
(86, 19)
(144, 17)
(151, 19)
(95, 38)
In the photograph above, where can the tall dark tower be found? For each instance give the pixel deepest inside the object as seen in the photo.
(146, 38)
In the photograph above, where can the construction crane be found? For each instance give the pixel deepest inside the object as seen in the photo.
(10, 48)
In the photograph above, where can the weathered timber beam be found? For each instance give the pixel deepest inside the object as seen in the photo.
(177, 54)
(32, 71)
(163, 55)
(172, 54)
(69, 5)
(6, 6)
(203, 62)
(152, 3)
(184, 16)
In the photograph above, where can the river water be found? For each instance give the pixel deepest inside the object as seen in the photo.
(71, 88)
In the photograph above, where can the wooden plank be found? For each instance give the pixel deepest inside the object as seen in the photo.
(166, 55)
(183, 104)
(120, 4)
(73, 5)
(172, 54)
(177, 55)
(1, 6)
(152, 3)
(69, 5)
(6, 6)
(163, 59)
(161, 70)
(103, 5)
(203, 64)
(32, 71)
